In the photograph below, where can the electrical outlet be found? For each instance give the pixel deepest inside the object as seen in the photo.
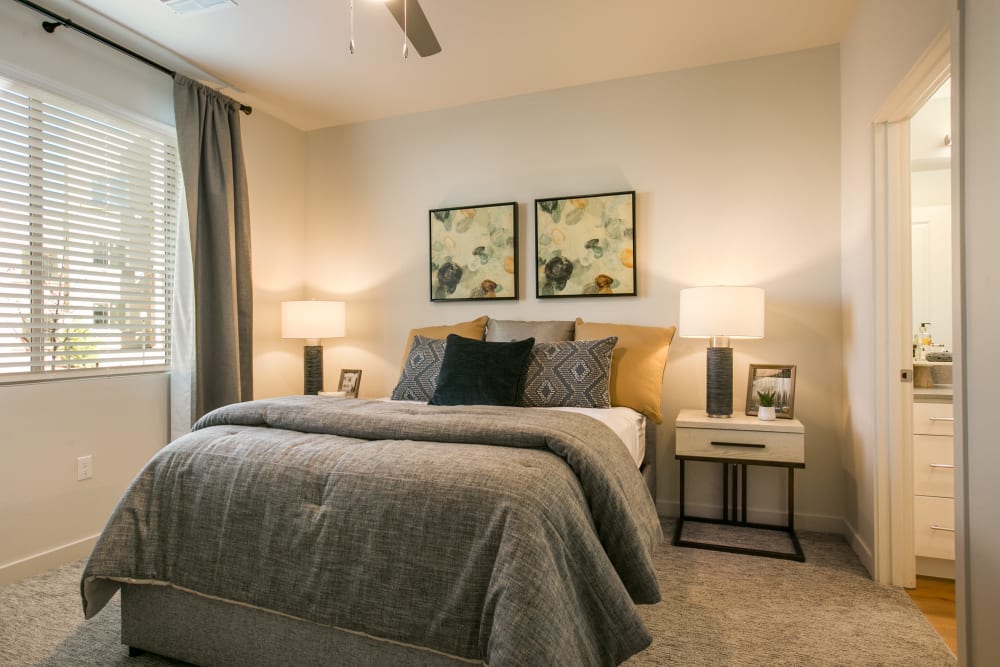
(84, 467)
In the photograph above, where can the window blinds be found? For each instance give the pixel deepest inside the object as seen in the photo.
(88, 208)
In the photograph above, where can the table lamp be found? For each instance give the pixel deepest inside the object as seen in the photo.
(720, 313)
(313, 320)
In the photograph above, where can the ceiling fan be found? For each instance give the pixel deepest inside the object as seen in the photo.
(411, 18)
(416, 28)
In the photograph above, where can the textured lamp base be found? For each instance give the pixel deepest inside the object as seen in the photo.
(719, 397)
(312, 366)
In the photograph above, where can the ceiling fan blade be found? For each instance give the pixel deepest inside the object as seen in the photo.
(418, 29)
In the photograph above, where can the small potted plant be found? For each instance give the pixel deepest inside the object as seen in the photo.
(765, 412)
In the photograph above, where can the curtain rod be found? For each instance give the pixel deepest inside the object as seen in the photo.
(50, 27)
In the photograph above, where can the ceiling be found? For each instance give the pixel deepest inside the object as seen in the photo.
(290, 58)
(930, 132)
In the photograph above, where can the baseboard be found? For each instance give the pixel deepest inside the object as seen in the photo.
(936, 567)
(820, 523)
(47, 560)
(862, 550)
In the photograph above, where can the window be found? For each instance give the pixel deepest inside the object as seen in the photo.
(88, 208)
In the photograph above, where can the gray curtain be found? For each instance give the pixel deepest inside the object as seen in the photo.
(215, 184)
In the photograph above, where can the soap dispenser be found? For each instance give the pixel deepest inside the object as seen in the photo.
(925, 340)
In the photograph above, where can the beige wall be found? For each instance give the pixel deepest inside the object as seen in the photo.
(885, 39)
(276, 157)
(736, 169)
(46, 516)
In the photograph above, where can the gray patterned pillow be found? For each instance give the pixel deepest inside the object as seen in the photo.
(572, 373)
(418, 380)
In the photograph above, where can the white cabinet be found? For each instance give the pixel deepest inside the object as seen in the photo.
(933, 419)
(935, 530)
(933, 483)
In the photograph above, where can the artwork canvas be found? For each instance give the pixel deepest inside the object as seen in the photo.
(473, 252)
(774, 378)
(585, 245)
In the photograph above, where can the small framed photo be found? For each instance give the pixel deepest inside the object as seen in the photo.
(777, 379)
(350, 381)
(473, 252)
(585, 245)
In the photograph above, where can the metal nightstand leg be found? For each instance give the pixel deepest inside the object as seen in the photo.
(732, 515)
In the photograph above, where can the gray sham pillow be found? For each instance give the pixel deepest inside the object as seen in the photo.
(418, 379)
(569, 374)
(504, 331)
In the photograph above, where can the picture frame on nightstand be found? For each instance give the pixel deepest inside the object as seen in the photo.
(350, 382)
(778, 379)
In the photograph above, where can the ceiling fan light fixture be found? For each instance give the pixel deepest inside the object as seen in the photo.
(411, 19)
(350, 45)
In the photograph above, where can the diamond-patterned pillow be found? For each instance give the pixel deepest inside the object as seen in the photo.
(418, 379)
(573, 373)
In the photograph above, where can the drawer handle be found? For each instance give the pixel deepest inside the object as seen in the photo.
(934, 526)
(942, 419)
(940, 465)
(739, 444)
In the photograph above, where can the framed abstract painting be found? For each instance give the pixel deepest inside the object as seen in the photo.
(585, 245)
(473, 252)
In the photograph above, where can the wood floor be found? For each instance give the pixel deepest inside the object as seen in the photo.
(936, 599)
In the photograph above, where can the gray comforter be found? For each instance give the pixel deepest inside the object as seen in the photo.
(394, 520)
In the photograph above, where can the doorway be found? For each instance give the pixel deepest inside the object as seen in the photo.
(932, 336)
(892, 208)
(931, 232)
(895, 561)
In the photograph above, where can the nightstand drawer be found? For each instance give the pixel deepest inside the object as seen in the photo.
(934, 527)
(933, 466)
(741, 444)
(933, 418)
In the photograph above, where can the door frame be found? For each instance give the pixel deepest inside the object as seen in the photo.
(895, 562)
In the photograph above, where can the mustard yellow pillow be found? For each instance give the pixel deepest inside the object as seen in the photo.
(471, 329)
(637, 363)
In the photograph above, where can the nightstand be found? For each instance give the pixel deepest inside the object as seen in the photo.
(738, 442)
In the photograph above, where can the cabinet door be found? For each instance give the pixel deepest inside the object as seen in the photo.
(934, 465)
(934, 527)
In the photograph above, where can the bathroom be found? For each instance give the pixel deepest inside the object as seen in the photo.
(933, 339)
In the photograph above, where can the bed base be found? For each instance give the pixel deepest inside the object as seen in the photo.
(648, 471)
(203, 631)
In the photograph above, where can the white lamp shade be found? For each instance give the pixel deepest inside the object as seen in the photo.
(720, 311)
(313, 319)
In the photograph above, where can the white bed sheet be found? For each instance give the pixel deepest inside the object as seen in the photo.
(627, 424)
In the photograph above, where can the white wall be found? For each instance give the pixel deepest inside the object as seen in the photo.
(46, 516)
(276, 158)
(736, 169)
(885, 39)
(978, 557)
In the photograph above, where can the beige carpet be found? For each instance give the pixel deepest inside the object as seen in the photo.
(717, 609)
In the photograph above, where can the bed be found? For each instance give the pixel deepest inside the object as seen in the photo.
(307, 530)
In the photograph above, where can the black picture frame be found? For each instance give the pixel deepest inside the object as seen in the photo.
(585, 246)
(473, 252)
(779, 378)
